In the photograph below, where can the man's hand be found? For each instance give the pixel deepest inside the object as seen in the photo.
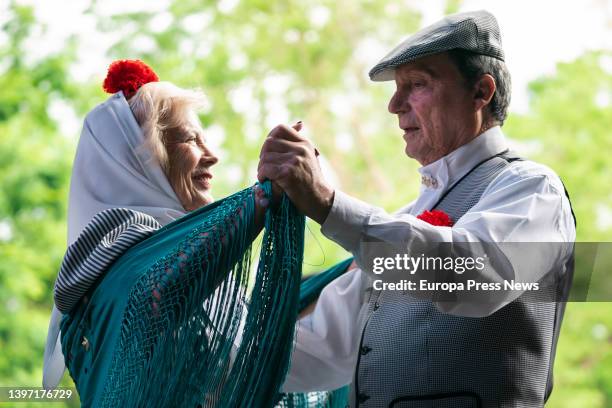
(290, 160)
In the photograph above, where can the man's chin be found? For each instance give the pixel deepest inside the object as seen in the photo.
(409, 152)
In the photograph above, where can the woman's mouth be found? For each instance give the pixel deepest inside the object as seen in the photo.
(202, 180)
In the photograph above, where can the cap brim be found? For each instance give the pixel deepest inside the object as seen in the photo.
(387, 74)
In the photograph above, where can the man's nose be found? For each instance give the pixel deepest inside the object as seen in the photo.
(398, 103)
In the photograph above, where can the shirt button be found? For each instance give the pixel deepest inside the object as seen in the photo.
(362, 397)
(365, 350)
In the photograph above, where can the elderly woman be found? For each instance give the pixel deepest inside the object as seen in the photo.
(149, 297)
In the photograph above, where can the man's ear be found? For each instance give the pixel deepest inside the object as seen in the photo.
(483, 91)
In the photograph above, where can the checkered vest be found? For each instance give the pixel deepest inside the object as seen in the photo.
(412, 355)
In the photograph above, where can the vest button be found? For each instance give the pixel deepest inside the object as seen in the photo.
(362, 397)
(376, 305)
(365, 350)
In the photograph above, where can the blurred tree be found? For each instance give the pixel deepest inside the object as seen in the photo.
(567, 128)
(35, 164)
(265, 63)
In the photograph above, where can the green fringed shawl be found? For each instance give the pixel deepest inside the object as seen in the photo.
(161, 328)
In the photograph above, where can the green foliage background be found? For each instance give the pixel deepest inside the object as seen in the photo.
(316, 67)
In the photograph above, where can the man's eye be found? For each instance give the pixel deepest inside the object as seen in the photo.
(418, 84)
(191, 139)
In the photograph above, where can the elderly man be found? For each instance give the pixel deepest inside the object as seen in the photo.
(400, 350)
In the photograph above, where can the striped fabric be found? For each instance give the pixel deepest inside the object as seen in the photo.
(109, 234)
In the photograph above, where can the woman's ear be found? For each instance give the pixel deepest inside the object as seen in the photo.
(483, 91)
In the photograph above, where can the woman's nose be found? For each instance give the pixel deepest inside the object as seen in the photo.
(208, 157)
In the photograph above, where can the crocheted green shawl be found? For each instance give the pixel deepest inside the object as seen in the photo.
(170, 325)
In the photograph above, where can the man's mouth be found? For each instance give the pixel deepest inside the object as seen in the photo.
(409, 131)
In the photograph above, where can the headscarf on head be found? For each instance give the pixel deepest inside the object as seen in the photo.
(112, 169)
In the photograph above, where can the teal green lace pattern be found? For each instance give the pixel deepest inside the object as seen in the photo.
(172, 323)
(183, 314)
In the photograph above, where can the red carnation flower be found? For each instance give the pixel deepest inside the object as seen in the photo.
(128, 76)
(436, 217)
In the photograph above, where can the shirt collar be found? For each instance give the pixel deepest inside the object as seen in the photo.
(457, 163)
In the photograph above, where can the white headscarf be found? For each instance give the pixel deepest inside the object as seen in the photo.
(111, 169)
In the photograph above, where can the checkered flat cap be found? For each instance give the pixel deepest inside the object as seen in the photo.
(475, 31)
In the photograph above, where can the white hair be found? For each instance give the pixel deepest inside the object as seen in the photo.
(158, 106)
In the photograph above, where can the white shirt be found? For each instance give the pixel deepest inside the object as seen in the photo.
(524, 203)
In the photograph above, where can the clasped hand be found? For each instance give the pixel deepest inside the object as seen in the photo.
(290, 161)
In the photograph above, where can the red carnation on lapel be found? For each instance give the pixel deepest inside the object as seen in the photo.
(128, 76)
(436, 217)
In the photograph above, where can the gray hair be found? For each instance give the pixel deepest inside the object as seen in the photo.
(158, 106)
(473, 66)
